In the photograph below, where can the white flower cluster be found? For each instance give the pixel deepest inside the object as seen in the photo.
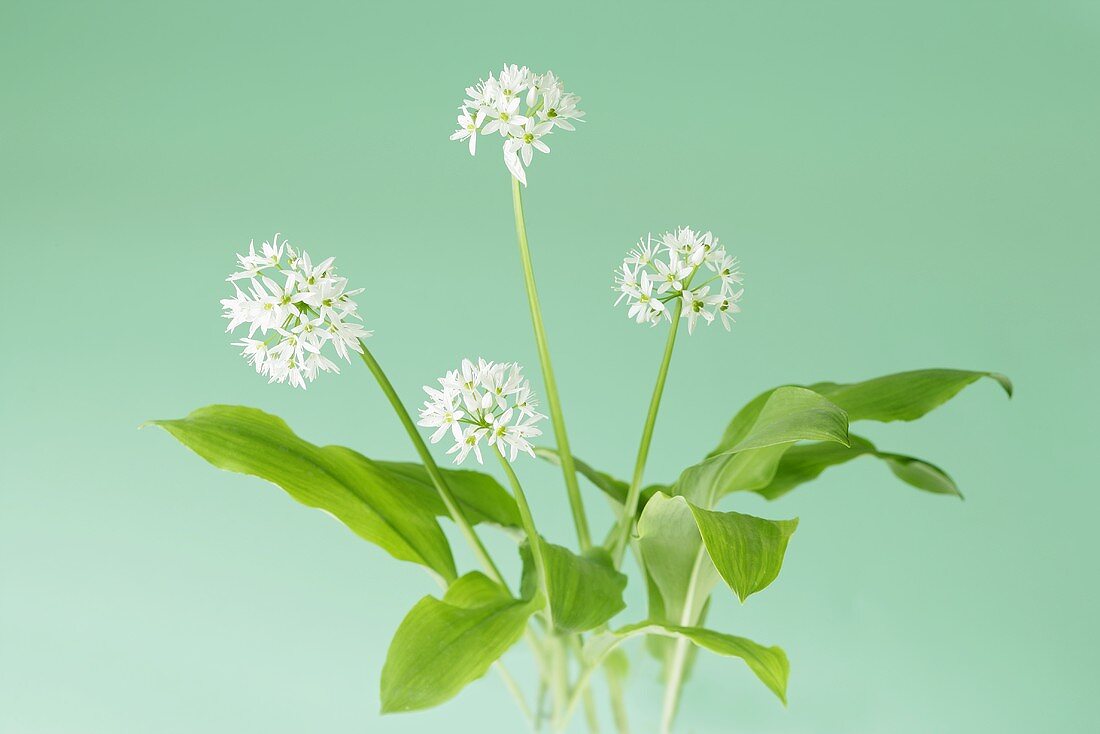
(298, 308)
(489, 400)
(493, 106)
(659, 271)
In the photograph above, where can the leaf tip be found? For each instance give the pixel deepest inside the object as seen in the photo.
(1004, 382)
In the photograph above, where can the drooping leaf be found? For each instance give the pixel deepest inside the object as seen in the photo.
(806, 462)
(614, 488)
(364, 495)
(769, 664)
(585, 591)
(904, 396)
(763, 432)
(443, 645)
(747, 551)
(480, 496)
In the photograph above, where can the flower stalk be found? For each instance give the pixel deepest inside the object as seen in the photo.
(569, 470)
(630, 507)
(529, 530)
(436, 476)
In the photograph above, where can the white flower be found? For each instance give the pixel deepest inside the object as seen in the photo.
(504, 118)
(468, 126)
(672, 273)
(683, 264)
(493, 106)
(560, 107)
(529, 139)
(646, 307)
(486, 400)
(297, 319)
(698, 303)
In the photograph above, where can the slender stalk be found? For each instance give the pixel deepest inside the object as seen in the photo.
(453, 508)
(618, 709)
(630, 507)
(517, 693)
(580, 521)
(590, 716)
(559, 683)
(433, 469)
(533, 540)
(590, 713)
(680, 651)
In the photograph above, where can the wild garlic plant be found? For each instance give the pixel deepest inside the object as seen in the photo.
(567, 605)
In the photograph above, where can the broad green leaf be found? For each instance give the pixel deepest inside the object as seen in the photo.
(371, 499)
(585, 591)
(480, 496)
(614, 488)
(746, 550)
(904, 396)
(763, 432)
(442, 646)
(794, 414)
(806, 462)
(769, 664)
(676, 560)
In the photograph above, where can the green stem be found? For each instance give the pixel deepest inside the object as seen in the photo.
(433, 469)
(590, 713)
(590, 717)
(680, 651)
(528, 522)
(450, 503)
(630, 507)
(580, 521)
(618, 709)
(559, 683)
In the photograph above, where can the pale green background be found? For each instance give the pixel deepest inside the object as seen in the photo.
(908, 185)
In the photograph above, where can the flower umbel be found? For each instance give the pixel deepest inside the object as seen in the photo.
(297, 307)
(522, 107)
(659, 270)
(489, 401)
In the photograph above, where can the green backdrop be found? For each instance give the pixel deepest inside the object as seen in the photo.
(907, 184)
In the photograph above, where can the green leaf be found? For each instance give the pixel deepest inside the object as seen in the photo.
(769, 664)
(585, 591)
(794, 414)
(675, 558)
(442, 646)
(614, 488)
(747, 551)
(480, 496)
(904, 396)
(757, 439)
(806, 462)
(371, 499)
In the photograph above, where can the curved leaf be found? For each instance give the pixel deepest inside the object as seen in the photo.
(676, 561)
(585, 591)
(901, 396)
(480, 496)
(904, 396)
(442, 646)
(769, 664)
(806, 462)
(764, 430)
(748, 551)
(373, 501)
